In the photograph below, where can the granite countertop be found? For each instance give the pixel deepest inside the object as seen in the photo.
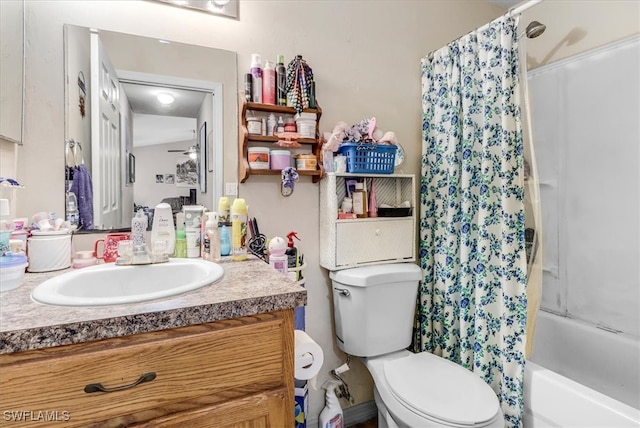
(247, 288)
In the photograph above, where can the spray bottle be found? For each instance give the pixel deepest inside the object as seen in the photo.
(292, 252)
(331, 415)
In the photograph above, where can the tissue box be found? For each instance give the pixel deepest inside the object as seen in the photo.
(301, 403)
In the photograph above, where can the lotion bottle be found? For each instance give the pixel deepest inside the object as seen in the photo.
(163, 228)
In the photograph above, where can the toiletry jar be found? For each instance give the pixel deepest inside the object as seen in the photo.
(306, 162)
(12, 271)
(280, 159)
(259, 157)
(254, 125)
(49, 251)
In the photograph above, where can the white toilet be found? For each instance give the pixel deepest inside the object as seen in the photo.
(374, 315)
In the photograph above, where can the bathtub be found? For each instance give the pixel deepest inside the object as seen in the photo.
(581, 376)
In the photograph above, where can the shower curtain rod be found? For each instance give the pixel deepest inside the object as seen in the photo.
(516, 10)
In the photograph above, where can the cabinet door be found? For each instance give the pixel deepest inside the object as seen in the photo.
(262, 410)
(195, 367)
(374, 241)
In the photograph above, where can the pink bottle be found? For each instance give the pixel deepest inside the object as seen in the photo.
(269, 83)
(373, 203)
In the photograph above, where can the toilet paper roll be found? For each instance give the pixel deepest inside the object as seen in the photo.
(308, 356)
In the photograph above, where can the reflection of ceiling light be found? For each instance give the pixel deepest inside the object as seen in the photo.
(192, 152)
(165, 98)
(166, 42)
(220, 2)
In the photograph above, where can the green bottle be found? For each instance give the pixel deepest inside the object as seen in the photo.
(181, 243)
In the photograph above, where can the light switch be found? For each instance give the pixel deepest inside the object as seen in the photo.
(231, 189)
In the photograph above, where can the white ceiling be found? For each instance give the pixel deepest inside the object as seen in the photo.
(154, 123)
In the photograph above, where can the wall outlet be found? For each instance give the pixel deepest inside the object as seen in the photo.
(231, 189)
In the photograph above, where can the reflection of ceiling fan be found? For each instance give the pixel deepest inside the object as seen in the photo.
(192, 151)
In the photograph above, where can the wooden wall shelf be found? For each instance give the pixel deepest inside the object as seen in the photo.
(246, 140)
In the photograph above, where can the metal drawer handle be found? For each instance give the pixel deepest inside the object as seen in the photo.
(95, 387)
(342, 291)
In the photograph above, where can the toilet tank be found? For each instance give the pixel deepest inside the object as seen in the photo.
(374, 307)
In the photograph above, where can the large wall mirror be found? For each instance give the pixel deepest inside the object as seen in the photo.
(145, 123)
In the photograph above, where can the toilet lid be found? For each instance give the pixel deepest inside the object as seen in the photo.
(437, 388)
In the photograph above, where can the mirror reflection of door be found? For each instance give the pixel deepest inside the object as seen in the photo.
(105, 153)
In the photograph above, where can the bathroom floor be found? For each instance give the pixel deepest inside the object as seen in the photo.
(371, 423)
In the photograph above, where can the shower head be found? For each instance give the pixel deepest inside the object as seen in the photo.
(534, 29)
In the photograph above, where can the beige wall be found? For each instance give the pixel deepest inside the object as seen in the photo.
(366, 61)
(575, 26)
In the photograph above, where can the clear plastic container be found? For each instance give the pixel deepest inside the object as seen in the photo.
(12, 270)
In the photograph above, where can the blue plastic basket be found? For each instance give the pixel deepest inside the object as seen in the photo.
(369, 157)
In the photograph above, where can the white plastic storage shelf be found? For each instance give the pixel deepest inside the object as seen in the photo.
(346, 243)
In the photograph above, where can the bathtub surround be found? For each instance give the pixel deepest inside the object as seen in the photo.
(589, 196)
(472, 302)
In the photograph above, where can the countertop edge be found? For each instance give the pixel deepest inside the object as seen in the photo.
(247, 288)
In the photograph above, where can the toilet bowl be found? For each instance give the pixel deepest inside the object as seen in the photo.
(424, 390)
(373, 315)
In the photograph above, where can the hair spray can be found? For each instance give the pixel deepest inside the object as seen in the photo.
(256, 72)
(239, 230)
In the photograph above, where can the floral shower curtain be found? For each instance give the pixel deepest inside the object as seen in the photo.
(472, 301)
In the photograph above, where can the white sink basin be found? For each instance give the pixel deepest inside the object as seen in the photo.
(108, 284)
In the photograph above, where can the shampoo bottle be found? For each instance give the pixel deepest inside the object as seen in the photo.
(239, 230)
(163, 228)
(331, 415)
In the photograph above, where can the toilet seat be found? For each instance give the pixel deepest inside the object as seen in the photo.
(417, 388)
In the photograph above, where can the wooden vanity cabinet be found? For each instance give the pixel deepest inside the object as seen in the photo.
(231, 373)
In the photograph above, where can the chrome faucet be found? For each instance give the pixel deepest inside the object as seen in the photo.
(141, 256)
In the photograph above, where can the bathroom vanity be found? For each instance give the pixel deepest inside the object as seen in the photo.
(218, 356)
